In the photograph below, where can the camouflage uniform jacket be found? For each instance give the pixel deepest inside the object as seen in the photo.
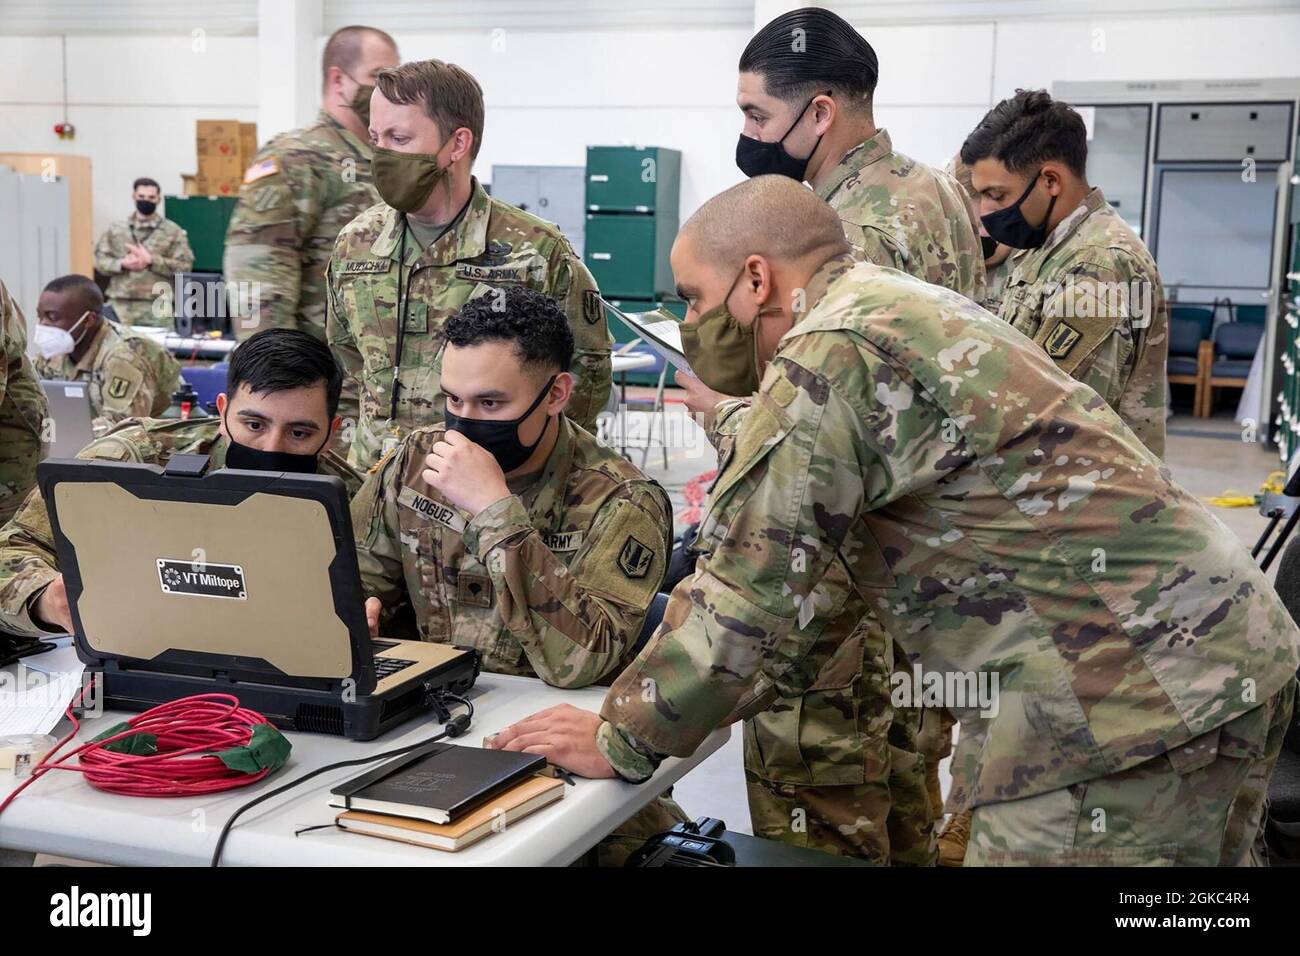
(1091, 296)
(301, 189)
(129, 375)
(999, 517)
(28, 561)
(166, 241)
(22, 410)
(492, 245)
(904, 214)
(552, 581)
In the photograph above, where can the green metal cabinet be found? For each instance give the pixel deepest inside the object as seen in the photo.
(640, 179)
(629, 255)
(204, 219)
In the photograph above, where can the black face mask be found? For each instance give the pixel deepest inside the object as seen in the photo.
(989, 246)
(254, 459)
(501, 438)
(757, 158)
(145, 207)
(1010, 227)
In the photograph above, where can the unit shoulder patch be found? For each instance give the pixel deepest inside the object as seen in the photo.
(1061, 340)
(592, 309)
(635, 558)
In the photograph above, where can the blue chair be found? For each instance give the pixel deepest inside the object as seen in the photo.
(1251, 314)
(1235, 344)
(1203, 316)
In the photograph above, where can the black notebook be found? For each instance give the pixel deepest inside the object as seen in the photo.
(437, 783)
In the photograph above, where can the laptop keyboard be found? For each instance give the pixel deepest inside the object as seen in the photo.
(387, 666)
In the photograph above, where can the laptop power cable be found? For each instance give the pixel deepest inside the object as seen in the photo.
(452, 727)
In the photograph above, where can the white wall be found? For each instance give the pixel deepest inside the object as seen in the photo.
(551, 93)
(132, 100)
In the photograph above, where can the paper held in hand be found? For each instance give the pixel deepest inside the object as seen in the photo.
(662, 336)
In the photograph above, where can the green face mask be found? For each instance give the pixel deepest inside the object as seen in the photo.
(361, 104)
(723, 353)
(405, 180)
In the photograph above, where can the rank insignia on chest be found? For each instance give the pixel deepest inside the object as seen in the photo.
(1060, 340)
(364, 266)
(426, 507)
(635, 558)
(474, 589)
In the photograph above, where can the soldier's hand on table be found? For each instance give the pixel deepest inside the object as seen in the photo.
(373, 607)
(464, 473)
(52, 606)
(700, 399)
(565, 735)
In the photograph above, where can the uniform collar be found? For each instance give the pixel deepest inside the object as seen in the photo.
(150, 221)
(544, 499)
(467, 239)
(857, 159)
(355, 143)
(1064, 231)
(99, 342)
(821, 280)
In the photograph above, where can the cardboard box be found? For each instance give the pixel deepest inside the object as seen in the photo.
(189, 185)
(217, 138)
(247, 143)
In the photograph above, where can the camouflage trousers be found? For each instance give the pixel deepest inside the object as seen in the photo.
(142, 312)
(20, 450)
(1201, 804)
(838, 769)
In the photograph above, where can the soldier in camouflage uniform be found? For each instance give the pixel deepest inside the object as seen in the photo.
(455, 244)
(1007, 526)
(138, 254)
(33, 600)
(546, 568)
(128, 375)
(999, 260)
(1086, 289)
(853, 783)
(22, 410)
(299, 192)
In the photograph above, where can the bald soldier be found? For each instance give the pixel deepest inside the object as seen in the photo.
(127, 375)
(277, 414)
(303, 187)
(1107, 645)
(436, 241)
(1086, 289)
(806, 87)
(512, 530)
(23, 411)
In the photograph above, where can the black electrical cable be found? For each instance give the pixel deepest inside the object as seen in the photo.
(455, 727)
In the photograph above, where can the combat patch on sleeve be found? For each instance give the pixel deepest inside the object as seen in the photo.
(426, 507)
(635, 558)
(121, 382)
(592, 310)
(1061, 340)
(267, 167)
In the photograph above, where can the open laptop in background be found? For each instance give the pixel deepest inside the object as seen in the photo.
(183, 582)
(72, 416)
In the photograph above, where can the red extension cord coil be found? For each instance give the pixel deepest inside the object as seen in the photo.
(189, 732)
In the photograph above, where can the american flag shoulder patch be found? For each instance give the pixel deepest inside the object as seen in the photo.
(266, 167)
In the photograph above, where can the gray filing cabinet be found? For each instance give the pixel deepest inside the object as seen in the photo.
(33, 237)
(553, 193)
(1223, 132)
